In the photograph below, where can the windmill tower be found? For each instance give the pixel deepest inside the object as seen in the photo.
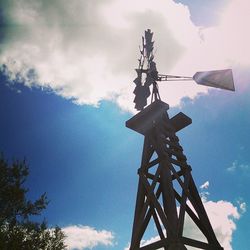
(167, 193)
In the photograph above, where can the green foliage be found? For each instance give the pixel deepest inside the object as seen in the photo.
(17, 231)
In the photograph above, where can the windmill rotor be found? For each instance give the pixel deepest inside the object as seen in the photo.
(222, 79)
(146, 66)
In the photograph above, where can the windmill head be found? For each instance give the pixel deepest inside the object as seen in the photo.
(147, 68)
(222, 79)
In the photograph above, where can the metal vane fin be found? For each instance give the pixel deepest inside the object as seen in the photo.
(222, 79)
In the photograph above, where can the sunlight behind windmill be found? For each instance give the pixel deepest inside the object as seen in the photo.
(166, 191)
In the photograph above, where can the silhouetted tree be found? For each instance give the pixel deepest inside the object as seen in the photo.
(17, 231)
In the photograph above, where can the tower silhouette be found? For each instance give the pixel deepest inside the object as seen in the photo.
(167, 195)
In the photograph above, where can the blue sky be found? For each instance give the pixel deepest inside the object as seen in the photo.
(63, 106)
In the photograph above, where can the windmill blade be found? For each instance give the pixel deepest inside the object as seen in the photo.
(149, 44)
(222, 79)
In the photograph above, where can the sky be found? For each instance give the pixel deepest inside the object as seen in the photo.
(66, 91)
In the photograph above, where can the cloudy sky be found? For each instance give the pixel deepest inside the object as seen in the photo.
(66, 83)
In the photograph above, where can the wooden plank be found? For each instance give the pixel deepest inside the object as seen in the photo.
(179, 163)
(183, 204)
(158, 225)
(175, 145)
(202, 222)
(193, 216)
(156, 245)
(198, 206)
(180, 121)
(151, 177)
(196, 243)
(140, 225)
(141, 194)
(158, 207)
(179, 155)
(177, 177)
(167, 133)
(153, 163)
(146, 153)
(168, 196)
(145, 120)
(149, 214)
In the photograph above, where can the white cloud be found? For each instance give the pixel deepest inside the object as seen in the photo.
(204, 194)
(225, 44)
(238, 166)
(243, 207)
(205, 185)
(84, 237)
(222, 215)
(232, 167)
(86, 50)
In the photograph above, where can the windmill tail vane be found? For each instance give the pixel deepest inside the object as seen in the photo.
(147, 76)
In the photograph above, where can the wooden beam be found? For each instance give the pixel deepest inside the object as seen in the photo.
(183, 204)
(156, 245)
(140, 223)
(144, 121)
(158, 207)
(196, 243)
(180, 121)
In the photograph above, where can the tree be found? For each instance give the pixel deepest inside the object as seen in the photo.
(17, 231)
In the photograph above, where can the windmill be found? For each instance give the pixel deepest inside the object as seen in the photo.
(167, 193)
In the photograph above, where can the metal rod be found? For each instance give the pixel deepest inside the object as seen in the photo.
(173, 78)
(180, 79)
